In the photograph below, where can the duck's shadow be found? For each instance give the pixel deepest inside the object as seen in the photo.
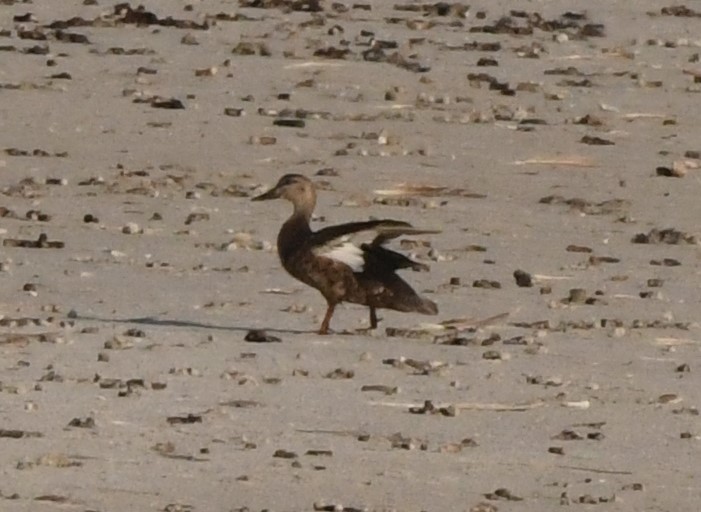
(167, 322)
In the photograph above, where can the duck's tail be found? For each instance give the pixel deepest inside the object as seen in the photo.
(415, 303)
(426, 306)
(392, 292)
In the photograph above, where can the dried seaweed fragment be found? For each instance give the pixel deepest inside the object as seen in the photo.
(610, 206)
(286, 5)
(680, 11)
(40, 243)
(665, 236)
(124, 14)
(457, 9)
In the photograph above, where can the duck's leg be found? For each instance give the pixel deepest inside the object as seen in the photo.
(324, 329)
(373, 317)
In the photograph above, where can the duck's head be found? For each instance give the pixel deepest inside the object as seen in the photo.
(297, 189)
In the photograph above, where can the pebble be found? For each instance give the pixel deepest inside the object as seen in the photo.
(131, 228)
(523, 278)
(577, 296)
(260, 336)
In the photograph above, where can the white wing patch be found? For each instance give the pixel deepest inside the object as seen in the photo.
(347, 253)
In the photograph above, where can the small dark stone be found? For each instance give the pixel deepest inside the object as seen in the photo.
(486, 283)
(593, 30)
(196, 217)
(291, 123)
(71, 37)
(61, 76)
(597, 260)
(319, 453)
(260, 336)
(487, 61)
(587, 499)
(665, 236)
(596, 141)
(18, 434)
(667, 262)
(490, 340)
(340, 373)
(82, 422)
(502, 494)
(332, 53)
(336, 29)
(284, 454)
(183, 420)
(663, 171)
(24, 18)
(135, 333)
(171, 104)
(516, 340)
(588, 120)
(578, 248)
(491, 355)
(577, 296)
(569, 435)
(523, 279)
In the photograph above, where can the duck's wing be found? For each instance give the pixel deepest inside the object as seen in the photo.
(380, 259)
(387, 233)
(370, 258)
(335, 241)
(330, 234)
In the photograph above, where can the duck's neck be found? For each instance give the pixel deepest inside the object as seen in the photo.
(293, 234)
(304, 209)
(295, 231)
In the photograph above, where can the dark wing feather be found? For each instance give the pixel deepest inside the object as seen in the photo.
(329, 234)
(381, 261)
(386, 233)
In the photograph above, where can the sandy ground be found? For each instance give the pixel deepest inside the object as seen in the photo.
(545, 140)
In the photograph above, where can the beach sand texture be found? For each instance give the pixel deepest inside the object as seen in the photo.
(536, 136)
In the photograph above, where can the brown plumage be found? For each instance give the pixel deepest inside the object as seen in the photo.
(362, 275)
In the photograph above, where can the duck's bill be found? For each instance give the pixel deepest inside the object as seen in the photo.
(273, 193)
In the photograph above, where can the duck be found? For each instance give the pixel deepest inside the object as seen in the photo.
(341, 271)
